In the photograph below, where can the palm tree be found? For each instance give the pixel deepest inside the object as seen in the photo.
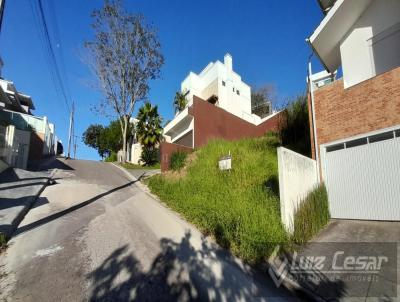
(180, 101)
(148, 127)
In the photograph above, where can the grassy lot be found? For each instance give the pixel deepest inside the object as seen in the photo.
(240, 208)
(133, 166)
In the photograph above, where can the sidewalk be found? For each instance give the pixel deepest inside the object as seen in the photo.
(18, 191)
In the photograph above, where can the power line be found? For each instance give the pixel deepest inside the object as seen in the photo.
(49, 50)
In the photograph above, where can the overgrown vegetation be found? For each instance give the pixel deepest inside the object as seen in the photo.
(236, 207)
(178, 160)
(311, 216)
(295, 128)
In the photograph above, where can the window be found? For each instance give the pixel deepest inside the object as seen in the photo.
(380, 137)
(397, 132)
(237, 92)
(357, 142)
(233, 89)
(223, 83)
(335, 147)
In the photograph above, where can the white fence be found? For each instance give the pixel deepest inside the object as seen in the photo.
(14, 146)
(297, 177)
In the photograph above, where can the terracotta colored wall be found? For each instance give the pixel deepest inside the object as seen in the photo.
(371, 105)
(213, 122)
(166, 150)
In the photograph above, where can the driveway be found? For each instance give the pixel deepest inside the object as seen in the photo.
(346, 246)
(97, 236)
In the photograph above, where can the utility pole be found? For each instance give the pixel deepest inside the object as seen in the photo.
(71, 129)
(75, 146)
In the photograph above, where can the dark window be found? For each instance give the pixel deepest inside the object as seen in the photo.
(380, 137)
(223, 83)
(335, 147)
(238, 92)
(233, 89)
(356, 142)
(397, 132)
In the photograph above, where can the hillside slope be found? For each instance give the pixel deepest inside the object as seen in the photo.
(240, 208)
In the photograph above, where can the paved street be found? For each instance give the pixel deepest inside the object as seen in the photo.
(96, 235)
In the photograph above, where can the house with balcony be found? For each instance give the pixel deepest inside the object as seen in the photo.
(23, 136)
(355, 120)
(218, 106)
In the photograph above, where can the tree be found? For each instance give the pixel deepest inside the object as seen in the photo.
(262, 99)
(92, 137)
(149, 130)
(105, 139)
(180, 101)
(124, 56)
(295, 127)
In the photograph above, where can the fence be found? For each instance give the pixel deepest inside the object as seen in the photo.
(297, 177)
(14, 146)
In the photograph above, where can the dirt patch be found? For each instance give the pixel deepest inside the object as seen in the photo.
(176, 175)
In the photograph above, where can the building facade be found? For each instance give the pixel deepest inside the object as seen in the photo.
(355, 120)
(219, 85)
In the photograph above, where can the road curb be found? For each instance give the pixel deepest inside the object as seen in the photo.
(139, 184)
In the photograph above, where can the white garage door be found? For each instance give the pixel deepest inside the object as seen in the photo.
(362, 177)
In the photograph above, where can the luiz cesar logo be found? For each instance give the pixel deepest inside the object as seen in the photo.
(359, 268)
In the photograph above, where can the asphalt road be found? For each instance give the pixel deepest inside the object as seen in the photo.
(95, 235)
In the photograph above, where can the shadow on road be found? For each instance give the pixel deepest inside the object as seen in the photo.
(62, 213)
(178, 273)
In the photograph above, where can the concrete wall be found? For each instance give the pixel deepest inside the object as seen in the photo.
(297, 177)
(371, 105)
(213, 122)
(372, 45)
(166, 150)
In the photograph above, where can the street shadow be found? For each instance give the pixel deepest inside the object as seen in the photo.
(179, 272)
(49, 164)
(71, 209)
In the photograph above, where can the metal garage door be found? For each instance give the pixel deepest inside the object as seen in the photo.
(362, 177)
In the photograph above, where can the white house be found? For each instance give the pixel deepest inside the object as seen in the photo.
(362, 36)
(356, 120)
(218, 84)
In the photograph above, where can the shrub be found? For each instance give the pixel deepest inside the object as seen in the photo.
(112, 158)
(3, 240)
(178, 160)
(295, 128)
(150, 156)
(312, 215)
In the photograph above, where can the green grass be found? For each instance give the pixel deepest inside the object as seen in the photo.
(178, 160)
(312, 216)
(240, 208)
(3, 240)
(133, 166)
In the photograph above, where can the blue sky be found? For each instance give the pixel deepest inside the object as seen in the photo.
(265, 38)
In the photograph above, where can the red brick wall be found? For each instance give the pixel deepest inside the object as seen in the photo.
(213, 122)
(371, 105)
(166, 150)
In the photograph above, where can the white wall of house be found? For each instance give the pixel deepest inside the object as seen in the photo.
(219, 79)
(372, 45)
